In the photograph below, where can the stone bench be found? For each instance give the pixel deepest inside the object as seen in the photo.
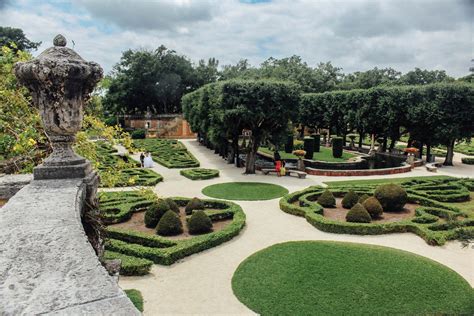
(299, 174)
(433, 166)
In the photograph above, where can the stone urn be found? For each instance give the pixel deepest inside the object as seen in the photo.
(60, 82)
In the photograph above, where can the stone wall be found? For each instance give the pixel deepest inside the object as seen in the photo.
(47, 265)
(11, 184)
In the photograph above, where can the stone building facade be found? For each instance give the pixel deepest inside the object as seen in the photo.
(160, 125)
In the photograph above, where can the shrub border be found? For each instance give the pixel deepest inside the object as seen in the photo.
(190, 173)
(165, 251)
(312, 211)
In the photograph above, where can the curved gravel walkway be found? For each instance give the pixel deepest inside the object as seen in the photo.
(201, 283)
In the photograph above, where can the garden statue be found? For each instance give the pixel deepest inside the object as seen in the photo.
(60, 82)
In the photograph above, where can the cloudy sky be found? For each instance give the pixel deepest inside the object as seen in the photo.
(352, 34)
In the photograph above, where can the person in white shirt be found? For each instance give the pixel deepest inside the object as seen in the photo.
(148, 161)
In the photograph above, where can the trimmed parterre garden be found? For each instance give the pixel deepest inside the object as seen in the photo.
(144, 229)
(335, 278)
(167, 152)
(433, 208)
(127, 172)
(199, 173)
(246, 191)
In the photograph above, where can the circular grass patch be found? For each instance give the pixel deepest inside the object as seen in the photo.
(245, 191)
(321, 278)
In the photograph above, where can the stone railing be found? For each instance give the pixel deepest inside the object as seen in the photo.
(47, 265)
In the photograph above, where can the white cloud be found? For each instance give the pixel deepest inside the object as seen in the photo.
(356, 35)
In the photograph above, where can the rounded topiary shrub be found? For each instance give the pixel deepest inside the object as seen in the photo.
(358, 214)
(392, 197)
(194, 204)
(327, 199)
(199, 223)
(337, 144)
(373, 206)
(172, 205)
(154, 213)
(363, 198)
(138, 134)
(169, 225)
(350, 199)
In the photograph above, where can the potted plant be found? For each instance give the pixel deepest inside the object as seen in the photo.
(300, 154)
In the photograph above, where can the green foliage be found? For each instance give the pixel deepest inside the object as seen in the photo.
(136, 297)
(324, 154)
(246, 191)
(199, 173)
(391, 196)
(362, 198)
(199, 223)
(164, 251)
(130, 265)
(160, 88)
(217, 111)
(358, 214)
(138, 134)
(155, 212)
(169, 224)
(167, 152)
(326, 199)
(468, 160)
(350, 199)
(337, 143)
(420, 191)
(16, 40)
(193, 204)
(276, 281)
(373, 206)
(172, 205)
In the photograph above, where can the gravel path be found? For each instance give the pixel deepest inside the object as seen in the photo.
(201, 283)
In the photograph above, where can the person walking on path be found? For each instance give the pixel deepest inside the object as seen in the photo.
(142, 160)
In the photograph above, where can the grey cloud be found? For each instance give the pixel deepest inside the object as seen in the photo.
(4, 3)
(150, 15)
(369, 19)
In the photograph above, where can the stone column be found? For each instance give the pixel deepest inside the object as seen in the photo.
(60, 82)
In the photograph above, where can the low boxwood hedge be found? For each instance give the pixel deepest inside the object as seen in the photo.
(167, 152)
(165, 251)
(468, 160)
(116, 207)
(130, 265)
(303, 203)
(199, 173)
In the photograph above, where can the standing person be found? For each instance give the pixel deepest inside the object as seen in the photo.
(142, 159)
(148, 161)
(277, 158)
(283, 169)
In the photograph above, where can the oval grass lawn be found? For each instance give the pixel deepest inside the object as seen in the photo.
(321, 278)
(245, 191)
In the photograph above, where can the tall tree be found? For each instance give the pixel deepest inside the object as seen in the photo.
(10, 35)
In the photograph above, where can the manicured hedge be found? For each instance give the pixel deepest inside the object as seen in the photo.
(109, 159)
(337, 144)
(130, 265)
(308, 147)
(468, 160)
(165, 251)
(419, 191)
(136, 297)
(199, 173)
(167, 152)
(116, 207)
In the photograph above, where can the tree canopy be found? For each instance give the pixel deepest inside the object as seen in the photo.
(10, 35)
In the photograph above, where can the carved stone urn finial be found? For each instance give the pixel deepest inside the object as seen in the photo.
(60, 83)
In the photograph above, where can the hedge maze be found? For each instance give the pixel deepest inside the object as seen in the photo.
(119, 206)
(134, 175)
(199, 173)
(168, 152)
(436, 220)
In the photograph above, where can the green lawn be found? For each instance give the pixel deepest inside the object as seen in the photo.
(334, 278)
(136, 297)
(325, 154)
(246, 191)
